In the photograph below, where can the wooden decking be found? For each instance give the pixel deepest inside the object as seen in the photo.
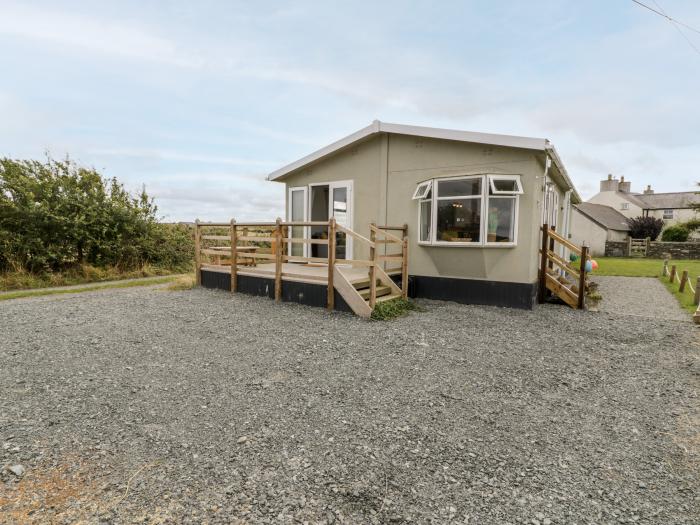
(262, 250)
(299, 272)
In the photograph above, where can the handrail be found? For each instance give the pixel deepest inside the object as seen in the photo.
(353, 234)
(388, 235)
(276, 234)
(549, 258)
(561, 240)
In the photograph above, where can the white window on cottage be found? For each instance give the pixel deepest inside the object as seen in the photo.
(624, 205)
(458, 210)
(668, 214)
(422, 190)
(505, 184)
(473, 210)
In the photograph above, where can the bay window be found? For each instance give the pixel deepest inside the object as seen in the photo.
(476, 210)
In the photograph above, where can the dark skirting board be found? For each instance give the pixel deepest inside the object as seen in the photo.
(309, 294)
(473, 291)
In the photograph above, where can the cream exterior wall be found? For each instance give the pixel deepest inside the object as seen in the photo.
(586, 231)
(385, 171)
(679, 215)
(615, 201)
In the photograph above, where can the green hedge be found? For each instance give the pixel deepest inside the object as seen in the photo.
(56, 214)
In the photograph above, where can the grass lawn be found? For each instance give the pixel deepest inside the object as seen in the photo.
(638, 267)
(175, 279)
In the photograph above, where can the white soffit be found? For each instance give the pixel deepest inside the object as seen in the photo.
(376, 127)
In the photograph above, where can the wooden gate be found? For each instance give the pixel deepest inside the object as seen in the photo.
(637, 247)
(557, 274)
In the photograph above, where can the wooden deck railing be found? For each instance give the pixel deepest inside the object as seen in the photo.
(247, 243)
(557, 274)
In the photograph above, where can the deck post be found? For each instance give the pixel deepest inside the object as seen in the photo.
(234, 257)
(582, 278)
(672, 275)
(543, 265)
(330, 302)
(197, 254)
(372, 271)
(684, 279)
(278, 260)
(404, 262)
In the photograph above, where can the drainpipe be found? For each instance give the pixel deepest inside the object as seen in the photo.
(547, 164)
(567, 221)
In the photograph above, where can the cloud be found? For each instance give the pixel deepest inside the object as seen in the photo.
(91, 34)
(160, 154)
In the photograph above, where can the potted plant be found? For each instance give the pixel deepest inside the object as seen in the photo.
(592, 300)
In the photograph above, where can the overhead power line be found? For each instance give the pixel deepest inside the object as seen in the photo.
(675, 23)
(670, 19)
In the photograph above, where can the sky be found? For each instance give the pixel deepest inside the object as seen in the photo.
(199, 101)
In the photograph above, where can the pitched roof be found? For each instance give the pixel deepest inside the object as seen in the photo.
(605, 216)
(679, 199)
(376, 127)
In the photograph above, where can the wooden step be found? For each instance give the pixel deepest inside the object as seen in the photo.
(364, 283)
(381, 291)
(388, 297)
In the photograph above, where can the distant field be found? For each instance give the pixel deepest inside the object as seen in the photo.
(638, 267)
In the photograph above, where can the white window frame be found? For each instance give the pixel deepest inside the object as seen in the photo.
(422, 190)
(305, 229)
(670, 214)
(514, 178)
(624, 205)
(484, 196)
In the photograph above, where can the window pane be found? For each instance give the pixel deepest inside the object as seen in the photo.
(501, 225)
(459, 220)
(459, 188)
(425, 220)
(505, 185)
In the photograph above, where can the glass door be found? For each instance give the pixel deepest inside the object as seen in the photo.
(297, 213)
(340, 207)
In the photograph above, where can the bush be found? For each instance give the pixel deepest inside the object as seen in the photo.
(57, 215)
(392, 309)
(677, 233)
(643, 227)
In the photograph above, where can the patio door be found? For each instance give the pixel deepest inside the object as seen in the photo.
(298, 204)
(328, 200)
(340, 207)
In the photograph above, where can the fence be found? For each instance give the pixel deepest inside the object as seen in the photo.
(237, 245)
(684, 281)
(557, 274)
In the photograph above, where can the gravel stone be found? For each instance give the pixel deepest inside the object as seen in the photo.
(456, 414)
(17, 470)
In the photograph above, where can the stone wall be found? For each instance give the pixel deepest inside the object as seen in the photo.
(656, 249)
(677, 250)
(616, 248)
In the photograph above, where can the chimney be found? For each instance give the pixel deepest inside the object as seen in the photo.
(648, 191)
(624, 187)
(608, 185)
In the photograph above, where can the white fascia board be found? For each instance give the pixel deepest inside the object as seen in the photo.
(327, 150)
(492, 139)
(576, 198)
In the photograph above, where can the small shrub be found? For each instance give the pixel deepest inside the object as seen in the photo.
(677, 233)
(387, 310)
(643, 227)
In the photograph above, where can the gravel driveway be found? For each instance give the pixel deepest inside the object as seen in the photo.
(142, 405)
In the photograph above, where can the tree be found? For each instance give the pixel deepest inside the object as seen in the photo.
(643, 227)
(676, 233)
(57, 214)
